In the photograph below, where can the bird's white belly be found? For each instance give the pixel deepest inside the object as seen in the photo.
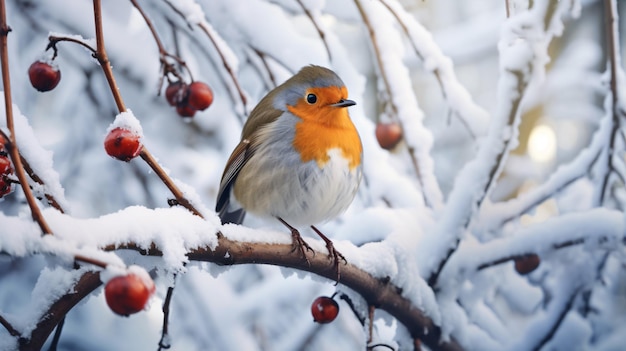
(301, 194)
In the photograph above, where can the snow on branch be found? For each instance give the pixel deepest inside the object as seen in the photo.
(523, 55)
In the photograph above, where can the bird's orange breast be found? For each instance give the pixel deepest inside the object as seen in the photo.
(322, 129)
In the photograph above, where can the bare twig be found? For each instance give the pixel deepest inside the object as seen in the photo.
(164, 343)
(320, 32)
(11, 146)
(53, 40)
(227, 66)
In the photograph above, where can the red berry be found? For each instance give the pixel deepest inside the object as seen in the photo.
(527, 263)
(200, 96)
(388, 135)
(128, 294)
(175, 93)
(43, 76)
(324, 309)
(5, 170)
(185, 110)
(122, 144)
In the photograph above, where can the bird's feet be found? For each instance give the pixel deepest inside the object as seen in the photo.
(297, 243)
(335, 255)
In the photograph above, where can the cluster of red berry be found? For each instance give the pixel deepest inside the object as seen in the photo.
(121, 143)
(5, 169)
(189, 98)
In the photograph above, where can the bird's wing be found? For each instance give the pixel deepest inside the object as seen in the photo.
(237, 160)
(262, 115)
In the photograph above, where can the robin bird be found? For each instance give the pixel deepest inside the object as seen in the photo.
(299, 159)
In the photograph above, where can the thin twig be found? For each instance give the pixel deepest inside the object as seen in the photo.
(11, 146)
(57, 335)
(8, 325)
(370, 326)
(611, 35)
(164, 343)
(228, 67)
(163, 53)
(90, 260)
(320, 32)
(54, 39)
(557, 323)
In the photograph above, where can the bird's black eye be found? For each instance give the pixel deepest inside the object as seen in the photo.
(311, 99)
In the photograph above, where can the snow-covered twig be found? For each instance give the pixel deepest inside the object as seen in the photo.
(458, 98)
(523, 54)
(408, 113)
(495, 215)
(612, 35)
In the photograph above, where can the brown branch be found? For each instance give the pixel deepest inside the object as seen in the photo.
(320, 32)
(11, 146)
(379, 293)
(103, 59)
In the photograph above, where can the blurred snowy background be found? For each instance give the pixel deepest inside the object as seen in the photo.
(574, 300)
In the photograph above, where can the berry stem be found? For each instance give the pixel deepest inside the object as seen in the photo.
(12, 140)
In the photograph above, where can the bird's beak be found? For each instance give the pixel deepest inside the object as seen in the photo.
(344, 103)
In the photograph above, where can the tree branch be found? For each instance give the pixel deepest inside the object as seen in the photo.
(379, 293)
